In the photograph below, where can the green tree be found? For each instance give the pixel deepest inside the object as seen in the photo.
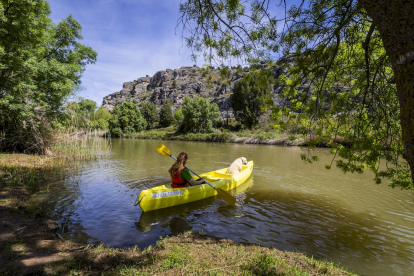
(200, 116)
(364, 44)
(251, 96)
(102, 117)
(166, 116)
(83, 107)
(178, 117)
(103, 113)
(126, 118)
(41, 64)
(150, 114)
(81, 113)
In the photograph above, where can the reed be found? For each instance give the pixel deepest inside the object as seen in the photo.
(69, 149)
(80, 145)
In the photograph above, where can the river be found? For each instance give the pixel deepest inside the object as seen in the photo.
(286, 204)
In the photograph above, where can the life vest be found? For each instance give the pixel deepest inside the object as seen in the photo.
(177, 182)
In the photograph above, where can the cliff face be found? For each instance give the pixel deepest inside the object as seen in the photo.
(176, 84)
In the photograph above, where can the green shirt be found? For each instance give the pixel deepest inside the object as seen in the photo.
(185, 174)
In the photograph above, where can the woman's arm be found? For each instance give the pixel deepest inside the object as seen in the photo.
(196, 182)
(185, 174)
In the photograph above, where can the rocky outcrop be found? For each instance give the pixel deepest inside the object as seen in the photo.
(175, 85)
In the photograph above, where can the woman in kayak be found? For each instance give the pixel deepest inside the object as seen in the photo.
(180, 175)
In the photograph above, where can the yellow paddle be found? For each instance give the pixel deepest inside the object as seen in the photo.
(222, 193)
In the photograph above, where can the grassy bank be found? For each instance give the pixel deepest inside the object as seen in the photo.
(34, 171)
(31, 172)
(192, 254)
(245, 137)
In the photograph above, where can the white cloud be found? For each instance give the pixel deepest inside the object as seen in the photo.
(132, 39)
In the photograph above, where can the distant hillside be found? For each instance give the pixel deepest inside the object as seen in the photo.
(179, 83)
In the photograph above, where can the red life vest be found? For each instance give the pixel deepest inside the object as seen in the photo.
(177, 182)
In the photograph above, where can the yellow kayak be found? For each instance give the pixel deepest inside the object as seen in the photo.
(165, 196)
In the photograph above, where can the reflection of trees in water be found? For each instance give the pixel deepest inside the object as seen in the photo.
(320, 227)
(63, 201)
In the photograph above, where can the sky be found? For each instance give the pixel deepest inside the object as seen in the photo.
(133, 38)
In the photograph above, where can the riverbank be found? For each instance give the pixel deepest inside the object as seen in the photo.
(243, 137)
(28, 244)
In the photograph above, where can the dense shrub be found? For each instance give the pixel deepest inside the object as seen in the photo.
(178, 117)
(166, 116)
(250, 97)
(126, 118)
(200, 116)
(101, 119)
(149, 112)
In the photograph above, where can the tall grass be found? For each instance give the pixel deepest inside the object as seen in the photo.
(69, 149)
(80, 145)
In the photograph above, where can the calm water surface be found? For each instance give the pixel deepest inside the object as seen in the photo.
(286, 204)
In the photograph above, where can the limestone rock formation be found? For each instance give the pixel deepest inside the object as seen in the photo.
(175, 85)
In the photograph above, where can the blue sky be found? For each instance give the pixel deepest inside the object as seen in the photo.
(133, 38)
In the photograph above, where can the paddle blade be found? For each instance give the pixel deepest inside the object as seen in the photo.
(226, 196)
(163, 150)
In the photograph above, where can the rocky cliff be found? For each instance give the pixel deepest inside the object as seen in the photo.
(186, 81)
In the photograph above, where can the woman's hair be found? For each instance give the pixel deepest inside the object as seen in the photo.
(181, 160)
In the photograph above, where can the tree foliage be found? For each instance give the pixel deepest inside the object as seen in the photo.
(101, 119)
(126, 118)
(166, 116)
(251, 96)
(150, 114)
(199, 116)
(41, 64)
(178, 117)
(103, 113)
(83, 107)
(80, 113)
(351, 70)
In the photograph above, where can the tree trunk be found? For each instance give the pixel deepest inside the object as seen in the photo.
(394, 20)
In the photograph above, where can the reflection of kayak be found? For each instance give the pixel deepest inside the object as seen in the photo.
(148, 220)
(162, 217)
(164, 196)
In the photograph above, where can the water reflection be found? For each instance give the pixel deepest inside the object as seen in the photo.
(164, 217)
(285, 204)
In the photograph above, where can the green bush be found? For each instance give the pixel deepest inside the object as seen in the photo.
(251, 97)
(178, 117)
(127, 118)
(102, 113)
(149, 112)
(116, 132)
(166, 116)
(101, 119)
(100, 124)
(200, 116)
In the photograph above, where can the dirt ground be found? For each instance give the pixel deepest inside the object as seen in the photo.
(26, 242)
